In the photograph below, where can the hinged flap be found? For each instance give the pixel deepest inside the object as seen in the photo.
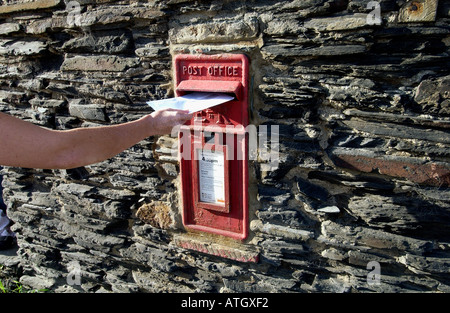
(233, 87)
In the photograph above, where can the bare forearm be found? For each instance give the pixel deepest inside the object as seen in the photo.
(84, 146)
(23, 144)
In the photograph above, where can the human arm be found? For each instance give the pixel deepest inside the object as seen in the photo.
(24, 144)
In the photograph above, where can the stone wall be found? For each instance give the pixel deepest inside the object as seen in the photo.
(358, 203)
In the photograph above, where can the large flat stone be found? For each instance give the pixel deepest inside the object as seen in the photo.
(99, 63)
(343, 22)
(225, 31)
(414, 169)
(241, 254)
(28, 6)
(9, 47)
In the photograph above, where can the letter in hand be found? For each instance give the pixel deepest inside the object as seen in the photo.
(164, 121)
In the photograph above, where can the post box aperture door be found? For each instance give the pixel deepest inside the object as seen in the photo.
(213, 145)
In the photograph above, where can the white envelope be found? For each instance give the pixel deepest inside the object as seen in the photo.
(193, 102)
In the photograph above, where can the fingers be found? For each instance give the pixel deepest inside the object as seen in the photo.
(176, 110)
(181, 115)
(180, 112)
(186, 115)
(165, 120)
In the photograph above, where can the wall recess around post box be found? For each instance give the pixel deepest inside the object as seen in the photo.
(213, 145)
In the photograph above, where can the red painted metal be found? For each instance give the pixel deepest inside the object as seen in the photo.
(216, 73)
(225, 125)
(212, 86)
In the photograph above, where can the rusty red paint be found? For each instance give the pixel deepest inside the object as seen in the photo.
(433, 174)
(415, 8)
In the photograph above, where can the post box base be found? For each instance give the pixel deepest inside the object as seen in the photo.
(192, 241)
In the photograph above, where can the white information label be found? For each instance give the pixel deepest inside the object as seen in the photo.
(211, 174)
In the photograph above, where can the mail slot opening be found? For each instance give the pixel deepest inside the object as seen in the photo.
(209, 92)
(228, 87)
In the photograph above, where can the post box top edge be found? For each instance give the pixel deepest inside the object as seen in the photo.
(212, 57)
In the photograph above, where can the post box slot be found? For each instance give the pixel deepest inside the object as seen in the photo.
(231, 87)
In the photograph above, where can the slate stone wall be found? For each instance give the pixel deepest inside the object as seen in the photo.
(358, 203)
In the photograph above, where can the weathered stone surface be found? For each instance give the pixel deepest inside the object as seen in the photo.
(111, 42)
(28, 6)
(225, 31)
(156, 214)
(404, 119)
(399, 131)
(40, 26)
(370, 238)
(47, 103)
(11, 47)
(119, 14)
(343, 22)
(401, 215)
(37, 282)
(153, 52)
(291, 50)
(287, 91)
(421, 265)
(334, 254)
(217, 249)
(282, 231)
(8, 28)
(106, 63)
(90, 112)
(434, 95)
(308, 189)
(329, 210)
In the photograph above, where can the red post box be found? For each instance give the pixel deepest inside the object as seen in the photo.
(213, 145)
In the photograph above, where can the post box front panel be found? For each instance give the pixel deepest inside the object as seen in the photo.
(214, 178)
(218, 204)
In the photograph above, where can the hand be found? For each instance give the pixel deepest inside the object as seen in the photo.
(162, 122)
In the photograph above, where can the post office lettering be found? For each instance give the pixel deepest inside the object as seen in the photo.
(213, 70)
(221, 70)
(193, 70)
